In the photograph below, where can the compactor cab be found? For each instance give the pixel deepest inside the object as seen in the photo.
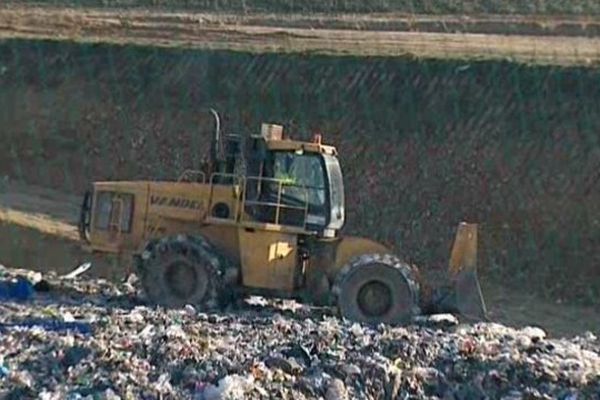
(264, 215)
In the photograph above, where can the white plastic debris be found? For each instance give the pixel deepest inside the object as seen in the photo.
(175, 331)
(356, 329)
(147, 332)
(534, 333)
(448, 319)
(35, 277)
(256, 301)
(231, 387)
(437, 320)
(190, 310)
(78, 271)
(68, 317)
(48, 395)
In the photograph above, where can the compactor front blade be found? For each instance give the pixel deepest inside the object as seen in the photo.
(467, 295)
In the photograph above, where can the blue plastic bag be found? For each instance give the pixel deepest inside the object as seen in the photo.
(20, 289)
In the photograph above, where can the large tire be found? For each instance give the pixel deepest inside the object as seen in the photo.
(184, 269)
(377, 288)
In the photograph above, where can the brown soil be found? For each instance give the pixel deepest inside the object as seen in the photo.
(42, 209)
(516, 308)
(344, 35)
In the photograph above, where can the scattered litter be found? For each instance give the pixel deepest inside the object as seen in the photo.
(257, 301)
(68, 317)
(48, 325)
(85, 340)
(436, 320)
(336, 391)
(231, 387)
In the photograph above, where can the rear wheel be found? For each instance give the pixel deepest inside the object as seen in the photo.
(181, 270)
(376, 288)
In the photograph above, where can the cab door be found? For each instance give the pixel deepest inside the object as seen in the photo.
(269, 258)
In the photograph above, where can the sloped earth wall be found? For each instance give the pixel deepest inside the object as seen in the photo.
(424, 145)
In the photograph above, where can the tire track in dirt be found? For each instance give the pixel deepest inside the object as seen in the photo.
(38, 208)
(468, 22)
(38, 231)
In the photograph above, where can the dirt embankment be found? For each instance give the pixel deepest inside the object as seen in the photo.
(161, 18)
(423, 144)
(445, 37)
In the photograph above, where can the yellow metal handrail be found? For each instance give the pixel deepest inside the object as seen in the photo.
(278, 205)
(242, 201)
(238, 181)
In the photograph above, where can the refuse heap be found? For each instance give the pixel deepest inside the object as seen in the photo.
(90, 339)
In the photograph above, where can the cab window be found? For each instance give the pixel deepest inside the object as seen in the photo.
(109, 207)
(302, 176)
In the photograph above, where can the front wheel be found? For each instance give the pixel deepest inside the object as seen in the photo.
(376, 288)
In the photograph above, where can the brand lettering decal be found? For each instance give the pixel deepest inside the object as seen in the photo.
(177, 202)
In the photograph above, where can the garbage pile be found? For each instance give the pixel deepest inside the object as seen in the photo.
(87, 339)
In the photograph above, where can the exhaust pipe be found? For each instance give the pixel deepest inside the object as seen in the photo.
(216, 148)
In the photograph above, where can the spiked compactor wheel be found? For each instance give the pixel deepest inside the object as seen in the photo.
(183, 270)
(376, 288)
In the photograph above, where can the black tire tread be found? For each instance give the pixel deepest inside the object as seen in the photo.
(408, 272)
(157, 251)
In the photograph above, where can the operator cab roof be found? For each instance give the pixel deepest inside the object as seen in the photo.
(273, 136)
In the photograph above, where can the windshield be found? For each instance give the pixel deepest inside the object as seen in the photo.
(309, 186)
(303, 178)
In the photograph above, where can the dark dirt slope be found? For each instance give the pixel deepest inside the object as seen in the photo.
(424, 144)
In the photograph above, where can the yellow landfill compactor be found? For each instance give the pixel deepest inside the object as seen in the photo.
(264, 216)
